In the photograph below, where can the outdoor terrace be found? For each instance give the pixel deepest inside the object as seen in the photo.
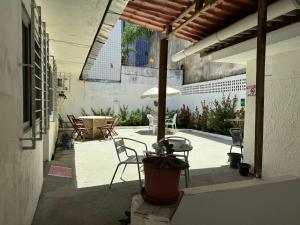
(86, 199)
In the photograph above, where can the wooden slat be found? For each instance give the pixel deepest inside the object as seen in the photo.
(152, 12)
(184, 13)
(147, 15)
(196, 15)
(154, 7)
(165, 4)
(144, 24)
(144, 19)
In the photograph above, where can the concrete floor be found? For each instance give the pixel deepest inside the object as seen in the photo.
(86, 200)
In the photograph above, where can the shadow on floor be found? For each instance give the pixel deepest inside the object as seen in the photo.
(62, 203)
(149, 132)
(207, 136)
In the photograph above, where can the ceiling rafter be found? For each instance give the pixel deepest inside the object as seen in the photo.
(196, 14)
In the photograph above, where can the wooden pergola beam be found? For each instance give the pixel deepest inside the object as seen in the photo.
(162, 86)
(196, 15)
(260, 86)
(183, 14)
(144, 24)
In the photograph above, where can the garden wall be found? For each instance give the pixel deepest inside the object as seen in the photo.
(209, 91)
(134, 81)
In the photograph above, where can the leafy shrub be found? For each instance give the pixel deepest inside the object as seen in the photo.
(185, 117)
(95, 113)
(145, 111)
(124, 114)
(134, 118)
(219, 113)
(83, 112)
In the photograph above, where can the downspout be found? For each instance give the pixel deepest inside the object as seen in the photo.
(274, 10)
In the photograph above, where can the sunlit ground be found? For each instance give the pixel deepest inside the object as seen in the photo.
(95, 161)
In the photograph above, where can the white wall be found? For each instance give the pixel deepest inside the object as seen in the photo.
(84, 95)
(282, 115)
(21, 171)
(136, 80)
(108, 62)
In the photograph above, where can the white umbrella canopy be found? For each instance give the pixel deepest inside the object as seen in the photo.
(153, 92)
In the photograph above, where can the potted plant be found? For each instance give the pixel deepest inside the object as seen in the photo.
(162, 174)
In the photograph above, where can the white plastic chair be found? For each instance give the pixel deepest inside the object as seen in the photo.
(152, 124)
(171, 122)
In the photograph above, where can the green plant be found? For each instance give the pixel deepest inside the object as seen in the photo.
(170, 114)
(83, 112)
(185, 117)
(203, 120)
(145, 111)
(130, 35)
(95, 113)
(219, 113)
(135, 118)
(124, 114)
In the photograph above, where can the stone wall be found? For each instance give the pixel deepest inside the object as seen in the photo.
(196, 69)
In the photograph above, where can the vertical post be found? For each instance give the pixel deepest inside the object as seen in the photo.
(260, 86)
(163, 63)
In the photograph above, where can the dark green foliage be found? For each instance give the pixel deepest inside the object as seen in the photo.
(130, 35)
(221, 111)
(101, 112)
(134, 118)
(83, 112)
(185, 117)
(213, 119)
(95, 113)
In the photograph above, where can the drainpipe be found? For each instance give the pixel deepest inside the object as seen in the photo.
(274, 10)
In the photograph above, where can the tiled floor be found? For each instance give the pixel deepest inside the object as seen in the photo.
(86, 200)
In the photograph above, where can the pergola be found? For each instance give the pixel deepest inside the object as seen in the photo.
(195, 21)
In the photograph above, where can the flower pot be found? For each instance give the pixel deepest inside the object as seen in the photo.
(234, 159)
(161, 182)
(244, 169)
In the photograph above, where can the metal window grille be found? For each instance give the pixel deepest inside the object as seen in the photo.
(45, 61)
(40, 77)
(53, 94)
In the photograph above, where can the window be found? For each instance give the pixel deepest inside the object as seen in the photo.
(26, 60)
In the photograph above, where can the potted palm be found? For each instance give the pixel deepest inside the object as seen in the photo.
(162, 174)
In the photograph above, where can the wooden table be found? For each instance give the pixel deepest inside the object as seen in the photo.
(94, 122)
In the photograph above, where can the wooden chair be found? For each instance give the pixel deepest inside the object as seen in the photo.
(106, 129)
(116, 120)
(79, 128)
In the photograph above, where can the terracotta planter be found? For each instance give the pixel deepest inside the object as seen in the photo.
(161, 184)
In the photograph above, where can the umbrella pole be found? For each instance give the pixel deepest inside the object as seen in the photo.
(163, 63)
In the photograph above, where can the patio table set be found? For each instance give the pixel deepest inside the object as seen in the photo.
(181, 148)
(91, 126)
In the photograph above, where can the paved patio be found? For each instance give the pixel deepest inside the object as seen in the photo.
(86, 199)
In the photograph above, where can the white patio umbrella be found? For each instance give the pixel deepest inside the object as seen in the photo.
(153, 92)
